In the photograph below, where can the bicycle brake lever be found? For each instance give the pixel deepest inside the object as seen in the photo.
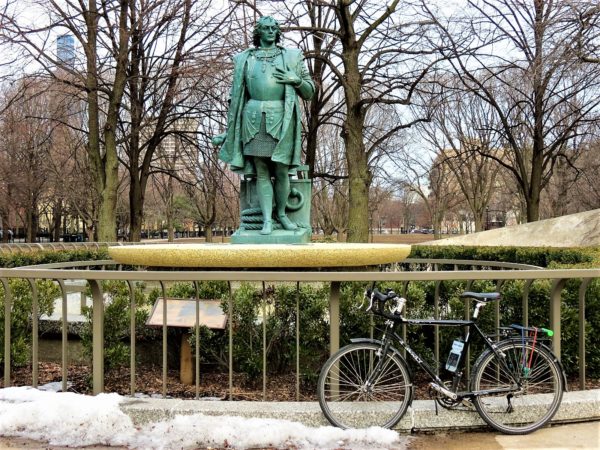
(371, 302)
(400, 302)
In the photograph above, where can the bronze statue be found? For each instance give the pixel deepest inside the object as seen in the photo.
(263, 121)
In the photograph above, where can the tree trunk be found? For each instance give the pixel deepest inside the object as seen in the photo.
(57, 212)
(107, 220)
(478, 222)
(170, 233)
(30, 224)
(106, 164)
(208, 233)
(136, 208)
(359, 179)
(358, 191)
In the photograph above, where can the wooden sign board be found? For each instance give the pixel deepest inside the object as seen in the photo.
(181, 312)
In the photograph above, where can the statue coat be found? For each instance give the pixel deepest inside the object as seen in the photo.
(289, 147)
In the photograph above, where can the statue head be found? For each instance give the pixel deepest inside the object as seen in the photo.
(261, 24)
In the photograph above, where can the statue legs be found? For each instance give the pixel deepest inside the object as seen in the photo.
(266, 189)
(282, 191)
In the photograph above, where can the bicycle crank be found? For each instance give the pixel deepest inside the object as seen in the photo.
(442, 390)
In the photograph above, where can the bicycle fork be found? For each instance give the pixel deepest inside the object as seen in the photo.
(377, 370)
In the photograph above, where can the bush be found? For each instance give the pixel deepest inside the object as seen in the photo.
(280, 327)
(22, 302)
(539, 295)
(22, 298)
(117, 317)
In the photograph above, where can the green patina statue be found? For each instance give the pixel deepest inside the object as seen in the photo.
(263, 122)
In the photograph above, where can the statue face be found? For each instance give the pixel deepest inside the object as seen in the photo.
(267, 31)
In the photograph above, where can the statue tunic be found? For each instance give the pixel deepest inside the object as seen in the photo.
(288, 148)
(262, 117)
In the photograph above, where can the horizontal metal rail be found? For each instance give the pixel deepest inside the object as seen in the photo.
(497, 272)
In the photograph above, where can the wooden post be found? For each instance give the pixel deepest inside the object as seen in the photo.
(186, 370)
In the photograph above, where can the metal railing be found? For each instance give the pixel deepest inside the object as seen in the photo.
(463, 270)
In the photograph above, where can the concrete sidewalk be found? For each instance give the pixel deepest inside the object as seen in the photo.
(584, 436)
(576, 406)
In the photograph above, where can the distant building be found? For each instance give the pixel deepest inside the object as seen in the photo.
(65, 50)
(178, 148)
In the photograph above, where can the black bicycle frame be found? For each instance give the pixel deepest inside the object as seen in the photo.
(470, 324)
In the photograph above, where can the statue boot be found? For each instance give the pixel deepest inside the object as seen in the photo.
(267, 227)
(286, 223)
(265, 200)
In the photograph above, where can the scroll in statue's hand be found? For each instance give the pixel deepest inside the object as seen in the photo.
(287, 76)
(218, 140)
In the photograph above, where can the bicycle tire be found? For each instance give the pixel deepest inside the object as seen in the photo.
(541, 387)
(345, 399)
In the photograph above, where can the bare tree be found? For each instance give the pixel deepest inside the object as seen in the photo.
(587, 31)
(176, 48)
(520, 58)
(102, 31)
(205, 188)
(330, 189)
(26, 143)
(377, 54)
(428, 176)
(460, 132)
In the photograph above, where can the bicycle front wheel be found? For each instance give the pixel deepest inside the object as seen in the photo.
(533, 376)
(357, 388)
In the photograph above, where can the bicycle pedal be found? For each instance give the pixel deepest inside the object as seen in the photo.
(468, 404)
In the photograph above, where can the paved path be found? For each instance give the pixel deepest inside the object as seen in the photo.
(584, 435)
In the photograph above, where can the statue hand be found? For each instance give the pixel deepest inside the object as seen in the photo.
(287, 76)
(218, 140)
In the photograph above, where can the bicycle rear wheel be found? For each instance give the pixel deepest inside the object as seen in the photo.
(541, 387)
(355, 392)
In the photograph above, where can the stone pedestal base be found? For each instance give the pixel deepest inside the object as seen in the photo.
(299, 236)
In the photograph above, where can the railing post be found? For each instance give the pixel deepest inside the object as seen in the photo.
(35, 312)
(555, 303)
(230, 324)
(64, 335)
(7, 323)
(132, 314)
(334, 317)
(582, 290)
(264, 340)
(164, 339)
(499, 284)
(197, 336)
(97, 337)
(525, 302)
(436, 316)
(298, 341)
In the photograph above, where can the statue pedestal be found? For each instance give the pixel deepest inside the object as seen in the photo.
(299, 236)
(257, 256)
(297, 210)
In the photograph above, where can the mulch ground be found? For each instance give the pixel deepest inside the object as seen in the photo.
(149, 381)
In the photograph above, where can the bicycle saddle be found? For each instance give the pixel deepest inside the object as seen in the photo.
(481, 296)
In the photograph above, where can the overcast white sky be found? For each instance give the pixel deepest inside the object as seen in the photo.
(74, 420)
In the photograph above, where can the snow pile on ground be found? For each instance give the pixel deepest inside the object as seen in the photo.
(68, 419)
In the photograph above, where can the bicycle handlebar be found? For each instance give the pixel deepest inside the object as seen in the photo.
(377, 301)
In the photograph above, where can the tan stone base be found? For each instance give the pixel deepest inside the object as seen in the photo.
(313, 255)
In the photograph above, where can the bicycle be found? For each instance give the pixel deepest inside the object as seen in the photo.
(369, 382)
